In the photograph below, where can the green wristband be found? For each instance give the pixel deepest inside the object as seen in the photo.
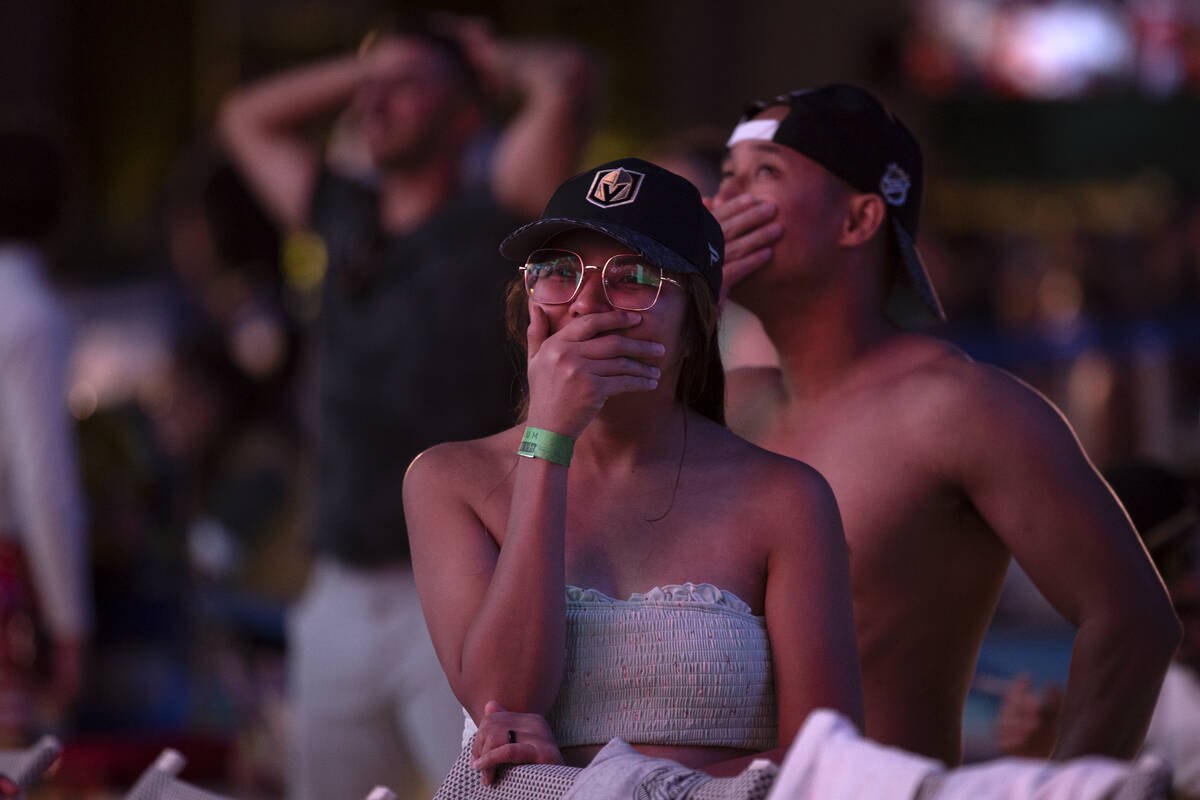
(548, 445)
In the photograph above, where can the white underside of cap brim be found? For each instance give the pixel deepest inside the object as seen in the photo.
(761, 129)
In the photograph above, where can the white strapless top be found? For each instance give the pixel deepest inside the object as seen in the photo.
(685, 664)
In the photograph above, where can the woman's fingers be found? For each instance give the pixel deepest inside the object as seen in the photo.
(506, 737)
(477, 745)
(587, 330)
(573, 372)
(618, 384)
(607, 356)
(514, 753)
(481, 742)
(589, 326)
(531, 747)
(611, 367)
(617, 346)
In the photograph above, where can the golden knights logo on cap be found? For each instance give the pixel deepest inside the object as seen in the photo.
(615, 187)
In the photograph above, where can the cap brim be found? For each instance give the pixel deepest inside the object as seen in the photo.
(524, 240)
(912, 301)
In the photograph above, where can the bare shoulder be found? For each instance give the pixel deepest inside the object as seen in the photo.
(783, 488)
(968, 390)
(460, 471)
(965, 411)
(934, 375)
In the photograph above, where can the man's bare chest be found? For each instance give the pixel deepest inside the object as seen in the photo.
(895, 504)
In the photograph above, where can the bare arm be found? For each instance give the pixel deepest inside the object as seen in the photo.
(496, 615)
(1025, 472)
(542, 145)
(810, 616)
(264, 127)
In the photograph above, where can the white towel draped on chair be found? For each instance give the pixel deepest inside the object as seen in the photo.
(831, 760)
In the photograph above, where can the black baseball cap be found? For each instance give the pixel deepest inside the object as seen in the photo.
(656, 212)
(848, 131)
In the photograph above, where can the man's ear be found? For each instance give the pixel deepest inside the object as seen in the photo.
(865, 214)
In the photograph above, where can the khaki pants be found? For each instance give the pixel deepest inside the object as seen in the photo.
(370, 703)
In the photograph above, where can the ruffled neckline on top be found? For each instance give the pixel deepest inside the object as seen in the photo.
(702, 593)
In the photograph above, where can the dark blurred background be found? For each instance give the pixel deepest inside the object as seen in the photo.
(1061, 223)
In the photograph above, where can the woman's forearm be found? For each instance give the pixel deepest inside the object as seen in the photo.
(514, 651)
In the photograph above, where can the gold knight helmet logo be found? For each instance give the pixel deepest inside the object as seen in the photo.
(614, 187)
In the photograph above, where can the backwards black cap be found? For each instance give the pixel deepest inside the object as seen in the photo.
(656, 212)
(847, 131)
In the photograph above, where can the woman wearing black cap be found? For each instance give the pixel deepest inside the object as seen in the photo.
(676, 586)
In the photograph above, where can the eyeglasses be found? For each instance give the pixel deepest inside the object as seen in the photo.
(630, 282)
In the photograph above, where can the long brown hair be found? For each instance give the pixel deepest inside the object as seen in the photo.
(701, 385)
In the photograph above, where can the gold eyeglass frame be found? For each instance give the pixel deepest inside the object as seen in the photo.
(663, 278)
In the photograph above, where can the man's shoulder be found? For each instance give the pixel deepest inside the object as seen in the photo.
(912, 358)
(929, 371)
(957, 404)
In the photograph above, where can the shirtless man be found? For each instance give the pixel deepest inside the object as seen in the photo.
(942, 467)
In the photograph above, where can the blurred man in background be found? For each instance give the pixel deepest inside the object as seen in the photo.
(410, 349)
(43, 543)
(942, 467)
